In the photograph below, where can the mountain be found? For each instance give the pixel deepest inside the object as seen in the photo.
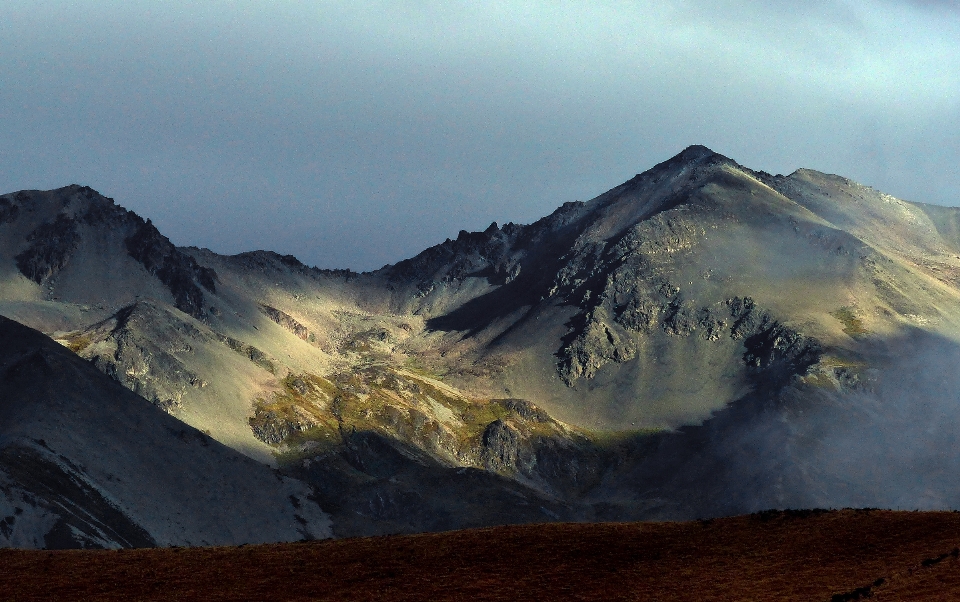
(702, 340)
(86, 463)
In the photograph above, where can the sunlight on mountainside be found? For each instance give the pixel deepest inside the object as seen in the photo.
(701, 340)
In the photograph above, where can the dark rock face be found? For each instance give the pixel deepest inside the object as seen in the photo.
(103, 212)
(53, 243)
(778, 348)
(625, 293)
(501, 446)
(8, 211)
(522, 259)
(564, 465)
(179, 272)
(286, 321)
(483, 254)
(274, 428)
(250, 352)
(526, 410)
(769, 346)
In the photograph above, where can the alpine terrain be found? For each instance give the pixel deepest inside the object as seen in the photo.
(702, 340)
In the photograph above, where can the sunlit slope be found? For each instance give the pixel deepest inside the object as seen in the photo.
(85, 463)
(112, 288)
(619, 313)
(638, 308)
(604, 362)
(629, 311)
(285, 364)
(184, 367)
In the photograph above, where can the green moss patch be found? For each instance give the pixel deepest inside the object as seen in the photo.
(852, 325)
(79, 343)
(300, 406)
(310, 414)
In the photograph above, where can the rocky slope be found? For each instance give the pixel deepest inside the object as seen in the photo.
(703, 339)
(86, 463)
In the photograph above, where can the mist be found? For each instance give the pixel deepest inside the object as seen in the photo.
(887, 437)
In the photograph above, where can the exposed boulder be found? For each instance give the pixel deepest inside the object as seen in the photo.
(501, 447)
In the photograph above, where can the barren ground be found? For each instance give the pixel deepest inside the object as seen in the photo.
(793, 555)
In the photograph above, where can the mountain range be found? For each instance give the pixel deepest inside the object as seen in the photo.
(702, 340)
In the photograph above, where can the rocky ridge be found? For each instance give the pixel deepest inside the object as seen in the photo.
(600, 363)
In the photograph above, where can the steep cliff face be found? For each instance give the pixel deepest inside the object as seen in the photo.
(178, 272)
(626, 357)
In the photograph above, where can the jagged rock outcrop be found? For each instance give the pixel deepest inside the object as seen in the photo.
(50, 249)
(686, 344)
(127, 348)
(286, 321)
(179, 272)
(607, 336)
(250, 352)
(501, 446)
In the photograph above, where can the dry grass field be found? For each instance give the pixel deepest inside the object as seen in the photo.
(792, 555)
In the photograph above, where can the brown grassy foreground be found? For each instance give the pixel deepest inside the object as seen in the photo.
(769, 556)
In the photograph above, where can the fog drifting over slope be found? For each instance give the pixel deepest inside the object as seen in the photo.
(895, 445)
(307, 127)
(889, 441)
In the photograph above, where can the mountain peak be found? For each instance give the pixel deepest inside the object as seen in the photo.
(695, 151)
(694, 154)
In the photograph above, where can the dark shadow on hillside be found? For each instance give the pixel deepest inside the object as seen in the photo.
(476, 314)
(374, 485)
(537, 272)
(888, 439)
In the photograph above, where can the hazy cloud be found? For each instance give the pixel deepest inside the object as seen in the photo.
(353, 134)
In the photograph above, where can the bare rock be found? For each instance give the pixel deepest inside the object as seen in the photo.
(501, 447)
(179, 272)
(52, 245)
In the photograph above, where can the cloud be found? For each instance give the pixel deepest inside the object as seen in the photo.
(948, 5)
(343, 118)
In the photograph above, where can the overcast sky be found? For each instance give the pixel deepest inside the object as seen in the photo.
(353, 134)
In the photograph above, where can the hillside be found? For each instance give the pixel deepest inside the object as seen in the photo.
(85, 463)
(702, 340)
(803, 556)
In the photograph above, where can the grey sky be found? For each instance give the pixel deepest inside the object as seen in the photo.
(355, 134)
